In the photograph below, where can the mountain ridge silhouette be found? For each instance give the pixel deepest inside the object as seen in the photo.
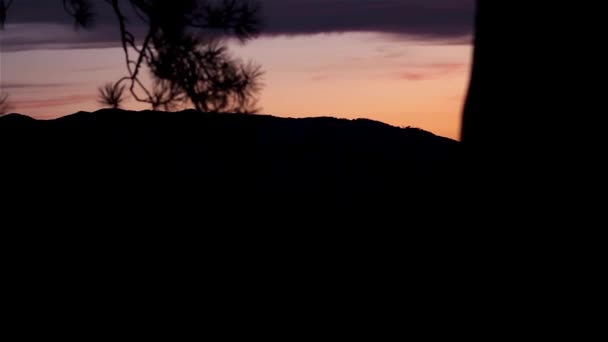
(94, 114)
(149, 156)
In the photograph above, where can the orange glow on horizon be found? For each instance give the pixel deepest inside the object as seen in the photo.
(352, 75)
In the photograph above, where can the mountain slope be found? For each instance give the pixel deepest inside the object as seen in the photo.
(237, 157)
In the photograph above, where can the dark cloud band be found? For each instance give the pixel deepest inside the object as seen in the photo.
(450, 20)
(428, 18)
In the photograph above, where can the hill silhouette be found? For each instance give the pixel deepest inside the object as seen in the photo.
(226, 159)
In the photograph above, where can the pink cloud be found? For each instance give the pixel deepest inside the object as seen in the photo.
(415, 76)
(319, 77)
(432, 71)
(54, 102)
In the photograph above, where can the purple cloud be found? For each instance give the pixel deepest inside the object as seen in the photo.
(446, 20)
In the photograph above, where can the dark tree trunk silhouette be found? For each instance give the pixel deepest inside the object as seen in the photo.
(489, 98)
(518, 86)
(505, 101)
(530, 119)
(472, 125)
(508, 77)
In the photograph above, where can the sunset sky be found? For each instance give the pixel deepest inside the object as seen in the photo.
(403, 62)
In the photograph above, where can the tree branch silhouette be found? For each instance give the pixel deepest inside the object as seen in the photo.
(184, 51)
(112, 94)
(5, 106)
(81, 11)
(4, 7)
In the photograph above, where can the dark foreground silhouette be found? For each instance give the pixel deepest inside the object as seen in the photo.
(226, 159)
(276, 206)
